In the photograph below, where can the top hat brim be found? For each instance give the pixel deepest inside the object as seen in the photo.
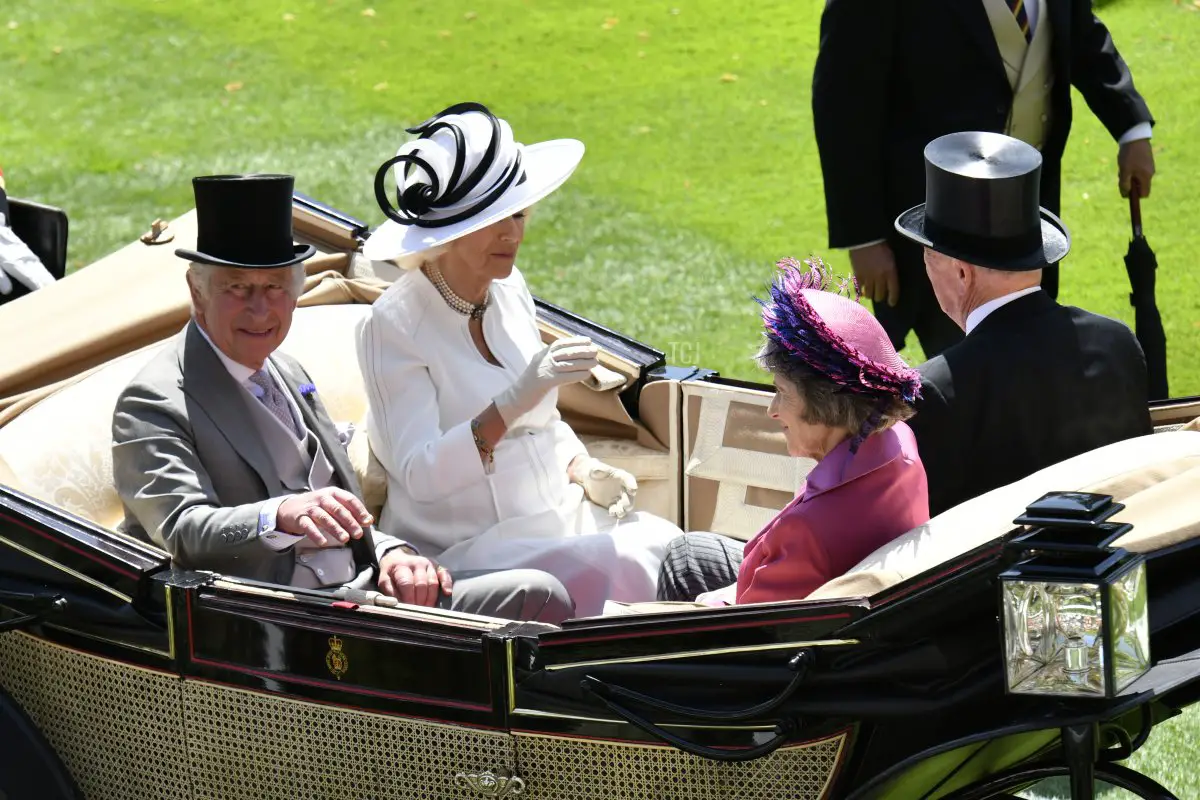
(1056, 242)
(547, 166)
(302, 252)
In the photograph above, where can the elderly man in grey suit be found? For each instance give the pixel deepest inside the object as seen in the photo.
(225, 457)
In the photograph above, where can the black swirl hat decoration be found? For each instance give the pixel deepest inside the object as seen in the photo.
(462, 172)
(463, 160)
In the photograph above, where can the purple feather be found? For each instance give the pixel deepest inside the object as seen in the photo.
(793, 324)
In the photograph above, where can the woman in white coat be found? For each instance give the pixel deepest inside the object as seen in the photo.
(462, 395)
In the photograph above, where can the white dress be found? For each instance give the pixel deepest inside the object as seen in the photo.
(425, 381)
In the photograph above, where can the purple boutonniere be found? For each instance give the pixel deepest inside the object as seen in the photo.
(308, 391)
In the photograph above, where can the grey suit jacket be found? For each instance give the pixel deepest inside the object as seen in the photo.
(193, 472)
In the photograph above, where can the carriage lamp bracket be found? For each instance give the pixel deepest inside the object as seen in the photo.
(48, 604)
(784, 729)
(798, 665)
(1125, 746)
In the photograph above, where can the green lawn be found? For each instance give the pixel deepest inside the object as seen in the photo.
(701, 168)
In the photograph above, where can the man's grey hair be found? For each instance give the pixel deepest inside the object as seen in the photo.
(200, 276)
(825, 402)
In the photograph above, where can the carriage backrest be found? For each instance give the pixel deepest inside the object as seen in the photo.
(1157, 476)
(60, 450)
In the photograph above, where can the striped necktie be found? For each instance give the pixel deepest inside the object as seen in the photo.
(1018, 9)
(274, 400)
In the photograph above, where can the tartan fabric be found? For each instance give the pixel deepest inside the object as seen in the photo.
(696, 563)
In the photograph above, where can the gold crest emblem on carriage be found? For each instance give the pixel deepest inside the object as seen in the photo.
(336, 661)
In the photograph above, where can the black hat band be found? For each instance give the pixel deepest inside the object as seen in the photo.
(1004, 247)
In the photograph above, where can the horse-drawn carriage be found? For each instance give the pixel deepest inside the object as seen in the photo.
(970, 658)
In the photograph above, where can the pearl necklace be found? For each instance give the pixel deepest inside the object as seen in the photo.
(464, 307)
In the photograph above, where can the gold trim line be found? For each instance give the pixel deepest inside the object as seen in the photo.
(720, 651)
(510, 678)
(170, 620)
(142, 648)
(530, 712)
(78, 575)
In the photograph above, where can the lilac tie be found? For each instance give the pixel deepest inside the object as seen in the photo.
(274, 400)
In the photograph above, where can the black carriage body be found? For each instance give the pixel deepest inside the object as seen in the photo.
(147, 681)
(236, 670)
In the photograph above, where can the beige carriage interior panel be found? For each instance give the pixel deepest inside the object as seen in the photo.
(126, 300)
(118, 729)
(557, 768)
(737, 472)
(252, 745)
(1175, 416)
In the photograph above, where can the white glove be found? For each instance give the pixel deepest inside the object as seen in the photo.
(605, 485)
(18, 261)
(563, 361)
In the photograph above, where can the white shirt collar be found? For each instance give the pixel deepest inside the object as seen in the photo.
(979, 314)
(240, 372)
(1033, 10)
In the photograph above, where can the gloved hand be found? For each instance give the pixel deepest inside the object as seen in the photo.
(605, 485)
(18, 261)
(564, 361)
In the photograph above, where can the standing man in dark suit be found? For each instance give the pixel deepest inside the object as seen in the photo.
(225, 457)
(1033, 383)
(893, 76)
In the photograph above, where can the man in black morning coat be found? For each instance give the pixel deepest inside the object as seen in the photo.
(893, 76)
(1034, 382)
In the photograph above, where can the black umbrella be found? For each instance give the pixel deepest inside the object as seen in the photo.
(1141, 264)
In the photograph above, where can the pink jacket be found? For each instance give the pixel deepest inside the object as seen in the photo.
(849, 506)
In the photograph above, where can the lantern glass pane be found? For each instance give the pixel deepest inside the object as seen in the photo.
(1053, 638)
(1130, 626)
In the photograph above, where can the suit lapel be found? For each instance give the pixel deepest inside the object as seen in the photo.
(974, 18)
(209, 384)
(1059, 12)
(317, 420)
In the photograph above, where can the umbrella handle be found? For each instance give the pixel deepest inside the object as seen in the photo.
(1135, 209)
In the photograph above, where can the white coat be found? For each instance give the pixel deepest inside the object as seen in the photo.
(426, 381)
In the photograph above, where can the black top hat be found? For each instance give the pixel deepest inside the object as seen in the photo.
(245, 221)
(982, 193)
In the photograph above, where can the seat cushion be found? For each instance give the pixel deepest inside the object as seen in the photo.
(60, 450)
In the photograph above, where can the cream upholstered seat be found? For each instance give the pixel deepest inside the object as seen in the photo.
(1157, 477)
(60, 450)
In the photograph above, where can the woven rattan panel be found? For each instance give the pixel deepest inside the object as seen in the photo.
(557, 768)
(252, 745)
(119, 729)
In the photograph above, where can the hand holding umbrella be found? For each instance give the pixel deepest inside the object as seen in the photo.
(1141, 264)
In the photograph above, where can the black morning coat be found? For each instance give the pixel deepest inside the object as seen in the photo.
(893, 76)
(1035, 383)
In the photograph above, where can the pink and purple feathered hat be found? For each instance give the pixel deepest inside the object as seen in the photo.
(834, 336)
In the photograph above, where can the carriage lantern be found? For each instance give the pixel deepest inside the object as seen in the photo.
(1075, 610)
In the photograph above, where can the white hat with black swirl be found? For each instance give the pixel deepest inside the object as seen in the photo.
(463, 172)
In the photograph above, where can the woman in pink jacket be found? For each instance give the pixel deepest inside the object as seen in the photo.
(842, 394)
